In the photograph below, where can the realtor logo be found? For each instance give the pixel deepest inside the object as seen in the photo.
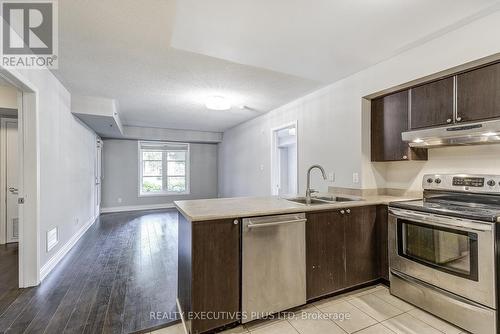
(29, 34)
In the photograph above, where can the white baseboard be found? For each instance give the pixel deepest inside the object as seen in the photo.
(59, 255)
(138, 207)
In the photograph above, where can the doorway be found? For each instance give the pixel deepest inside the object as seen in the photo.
(284, 160)
(9, 180)
(9, 189)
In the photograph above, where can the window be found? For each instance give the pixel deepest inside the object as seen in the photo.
(164, 168)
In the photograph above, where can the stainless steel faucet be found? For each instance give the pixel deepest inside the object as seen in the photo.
(309, 191)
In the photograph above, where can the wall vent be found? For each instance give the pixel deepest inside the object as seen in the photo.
(52, 238)
(15, 228)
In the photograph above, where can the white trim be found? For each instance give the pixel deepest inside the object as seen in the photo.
(3, 176)
(59, 255)
(138, 207)
(274, 153)
(29, 177)
(163, 194)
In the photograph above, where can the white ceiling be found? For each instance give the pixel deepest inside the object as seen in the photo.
(160, 58)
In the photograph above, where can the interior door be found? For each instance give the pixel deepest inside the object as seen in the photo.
(98, 177)
(12, 214)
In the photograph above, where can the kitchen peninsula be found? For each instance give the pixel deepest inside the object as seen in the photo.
(211, 285)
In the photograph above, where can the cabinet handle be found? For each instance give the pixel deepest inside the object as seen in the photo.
(459, 119)
(342, 212)
(405, 157)
(448, 120)
(348, 211)
(235, 222)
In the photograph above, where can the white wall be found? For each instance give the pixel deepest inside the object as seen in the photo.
(67, 153)
(333, 123)
(121, 175)
(8, 97)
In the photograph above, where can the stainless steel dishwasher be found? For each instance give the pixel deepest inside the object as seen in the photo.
(274, 264)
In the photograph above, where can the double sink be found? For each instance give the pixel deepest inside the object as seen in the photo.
(324, 200)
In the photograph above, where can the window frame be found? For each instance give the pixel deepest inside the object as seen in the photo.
(165, 163)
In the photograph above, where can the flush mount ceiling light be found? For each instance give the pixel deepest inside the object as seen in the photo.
(217, 103)
(418, 141)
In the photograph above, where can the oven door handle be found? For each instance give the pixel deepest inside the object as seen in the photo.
(434, 220)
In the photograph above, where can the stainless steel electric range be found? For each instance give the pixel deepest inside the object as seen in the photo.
(443, 250)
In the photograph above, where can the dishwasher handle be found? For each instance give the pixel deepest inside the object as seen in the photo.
(250, 226)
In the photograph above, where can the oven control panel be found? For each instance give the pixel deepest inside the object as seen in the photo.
(462, 182)
(468, 181)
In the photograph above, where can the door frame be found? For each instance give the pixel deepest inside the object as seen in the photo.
(275, 153)
(29, 176)
(3, 176)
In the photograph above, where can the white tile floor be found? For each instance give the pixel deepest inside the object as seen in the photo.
(367, 311)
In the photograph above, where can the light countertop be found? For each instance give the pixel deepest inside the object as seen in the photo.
(241, 207)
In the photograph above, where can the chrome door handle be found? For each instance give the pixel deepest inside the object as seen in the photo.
(276, 223)
(14, 190)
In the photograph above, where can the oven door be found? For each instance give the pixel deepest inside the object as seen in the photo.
(453, 254)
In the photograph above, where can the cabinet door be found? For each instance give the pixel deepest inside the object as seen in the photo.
(389, 120)
(324, 253)
(215, 272)
(432, 104)
(478, 94)
(362, 249)
(382, 241)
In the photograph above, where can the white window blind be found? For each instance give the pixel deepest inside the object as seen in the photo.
(164, 168)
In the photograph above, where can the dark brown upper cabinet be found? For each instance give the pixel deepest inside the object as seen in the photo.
(432, 104)
(478, 94)
(389, 120)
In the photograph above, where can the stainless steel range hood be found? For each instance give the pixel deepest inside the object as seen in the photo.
(487, 132)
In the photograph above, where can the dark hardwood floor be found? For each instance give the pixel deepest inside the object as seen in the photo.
(120, 272)
(9, 275)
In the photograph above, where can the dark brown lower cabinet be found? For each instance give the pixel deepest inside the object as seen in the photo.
(209, 273)
(344, 249)
(383, 241)
(362, 264)
(324, 253)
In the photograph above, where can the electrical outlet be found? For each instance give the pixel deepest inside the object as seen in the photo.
(261, 167)
(119, 199)
(355, 178)
(331, 176)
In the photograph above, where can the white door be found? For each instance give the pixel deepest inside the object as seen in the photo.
(98, 177)
(12, 169)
